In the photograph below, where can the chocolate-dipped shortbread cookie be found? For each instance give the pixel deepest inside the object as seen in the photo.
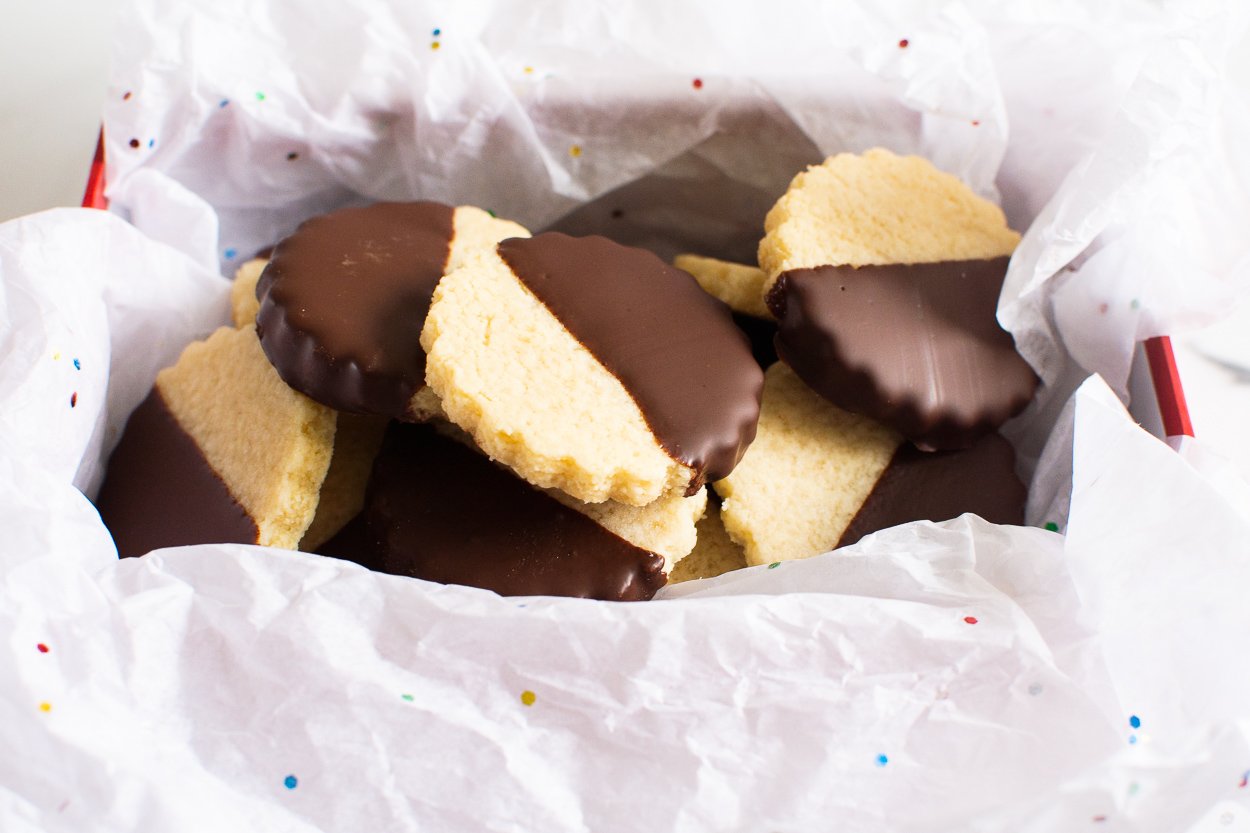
(221, 451)
(884, 275)
(593, 368)
(343, 299)
(818, 477)
(357, 437)
(439, 510)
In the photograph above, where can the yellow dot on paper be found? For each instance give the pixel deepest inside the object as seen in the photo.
(575, 151)
(47, 707)
(529, 70)
(528, 698)
(434, 45)
(56, 357)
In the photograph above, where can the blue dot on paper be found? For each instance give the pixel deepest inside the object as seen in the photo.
(437, 32)
(223, 102)
(290, 782)
(230, 253)
(77, 364)
(1135, 722)
(151, 142)
(1132, 739)
(882, 760)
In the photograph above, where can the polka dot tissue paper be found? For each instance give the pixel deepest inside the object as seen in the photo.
(1086, 672)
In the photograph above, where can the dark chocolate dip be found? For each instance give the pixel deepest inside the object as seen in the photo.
(439, 511)
(940, 485)
(675, 348)
(343, 301)
(159, 491)
(917, 347)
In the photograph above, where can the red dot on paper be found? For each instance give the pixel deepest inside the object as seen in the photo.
(1102, 309)
(134, 143)
(73, 399)
(976, 122)
(971, 620)
(43, 649)
(903, 43)
(126, 96)
(697, 83)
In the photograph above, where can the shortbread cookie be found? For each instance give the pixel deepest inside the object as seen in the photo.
(878, 209)
(593, 368)
(818, 477)
(666, 526)
(357, 439)
(714, 554)
(440, 511)
(941, 485)
(884, 275)
(221, 451)
(737, 284)
(343, 299)
(917, 347)
(243, 302)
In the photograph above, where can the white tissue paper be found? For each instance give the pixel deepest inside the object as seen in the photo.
(934, 677)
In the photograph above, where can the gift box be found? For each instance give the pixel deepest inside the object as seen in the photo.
(1082, 671)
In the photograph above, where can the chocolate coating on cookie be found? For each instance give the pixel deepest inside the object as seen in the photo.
(343, 300)
(673, 347)
(353, 543)
(762, 335)
(159, 491)
(937, 486)
(442, 512)
(916, 347)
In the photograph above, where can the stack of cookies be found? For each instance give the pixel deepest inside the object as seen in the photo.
(434, 392)
(881, 276)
